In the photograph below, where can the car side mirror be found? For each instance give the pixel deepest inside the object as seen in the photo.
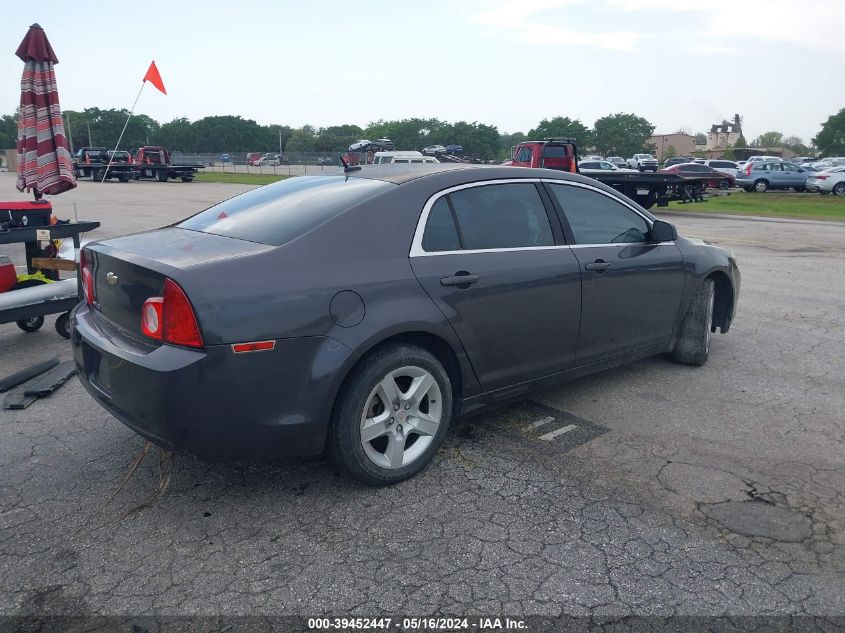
(663, 232)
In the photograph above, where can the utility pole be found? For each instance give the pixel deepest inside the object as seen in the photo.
(69, 134)
(90, 144)
(280, 140)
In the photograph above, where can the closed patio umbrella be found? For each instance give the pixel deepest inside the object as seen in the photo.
(44, 162)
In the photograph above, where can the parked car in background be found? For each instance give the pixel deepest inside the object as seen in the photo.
(677, 160)
(360, 146)
(253, 157)
(617, 160)
(271, 160)
(383, 158)
(434, 150)
(593, 157)
(760, 176)
(414, 160)
(830, 181)
(454, 148)
(643, 162)
(382, 145)
(586, 166)
(325, 161)
(727, 167)
(358, 314)
(715, 179)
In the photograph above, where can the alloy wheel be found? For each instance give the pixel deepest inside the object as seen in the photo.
(401, 417)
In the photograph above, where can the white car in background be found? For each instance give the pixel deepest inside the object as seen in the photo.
(590, 166)
(618, 161)
(643, 162)
(360, 146)
(830, 181)
(727, 167)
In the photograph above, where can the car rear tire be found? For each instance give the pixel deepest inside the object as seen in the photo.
(724, 184)
(391, 415)
(693, 346)
(839, 189)
(95, 176)
(761, 186)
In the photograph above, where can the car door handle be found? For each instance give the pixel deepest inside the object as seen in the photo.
(460, 278)
(598, 266)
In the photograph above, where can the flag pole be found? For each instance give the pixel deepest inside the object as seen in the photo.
(120, 138)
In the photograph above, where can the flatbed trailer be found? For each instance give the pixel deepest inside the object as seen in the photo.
(93, 162)
(646, 189)
(155, 163)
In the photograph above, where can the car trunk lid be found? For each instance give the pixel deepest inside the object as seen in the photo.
(129, 270)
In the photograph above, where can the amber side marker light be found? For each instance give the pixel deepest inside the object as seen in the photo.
(255, 346)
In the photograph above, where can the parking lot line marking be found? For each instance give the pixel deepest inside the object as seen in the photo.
(553, 434)
(540, 423)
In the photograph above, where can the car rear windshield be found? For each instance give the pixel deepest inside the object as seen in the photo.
(278, 213)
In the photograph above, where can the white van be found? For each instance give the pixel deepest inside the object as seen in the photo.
(381, 158)
(415, 159)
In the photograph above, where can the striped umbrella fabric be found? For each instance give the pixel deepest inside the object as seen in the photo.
(45, 165)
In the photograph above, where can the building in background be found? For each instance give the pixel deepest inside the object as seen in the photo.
(680, 144)
(725, 134)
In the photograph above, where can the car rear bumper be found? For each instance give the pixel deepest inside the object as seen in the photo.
(213, 403)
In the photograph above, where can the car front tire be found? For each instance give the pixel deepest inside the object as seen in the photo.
(761, 186)
(693, 346)
(391, 415)
(839, 189)
(724, 184)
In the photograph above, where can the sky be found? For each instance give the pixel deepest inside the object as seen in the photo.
(682, 64)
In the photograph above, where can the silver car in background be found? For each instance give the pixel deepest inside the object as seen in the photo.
(830, 181)
(761, 176)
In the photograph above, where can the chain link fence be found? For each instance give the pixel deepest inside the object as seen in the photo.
(238, 162)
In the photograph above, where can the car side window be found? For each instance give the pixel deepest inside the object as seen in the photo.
(599, 219)
(441, 234)
(789, 167)
(509, 215)
(524, 155)
(775, 167)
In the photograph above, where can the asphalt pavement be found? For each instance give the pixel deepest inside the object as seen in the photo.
(653, 489)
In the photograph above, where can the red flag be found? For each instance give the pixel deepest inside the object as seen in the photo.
(154, 77)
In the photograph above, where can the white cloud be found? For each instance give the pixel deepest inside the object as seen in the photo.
(808, 23)
(525, 20)
(711, 27)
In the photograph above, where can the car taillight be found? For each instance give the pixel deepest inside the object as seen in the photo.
(821, 177)
(171, 318)
(86, 266)
(748, 169)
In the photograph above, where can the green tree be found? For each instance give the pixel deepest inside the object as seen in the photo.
(8, 131)
(507, 141)
(831, 139)
(670, 152)
(302, 140)
(230, 134)
(105, 127)
(563, 127)
(769, 139)
(741, 142)
(337, 138)
(408, 133)
(700, 138)
(178, 134)
(622, 135)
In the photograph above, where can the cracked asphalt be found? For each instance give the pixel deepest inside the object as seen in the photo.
(691, 491)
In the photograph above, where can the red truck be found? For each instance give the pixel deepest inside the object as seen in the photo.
(644, 188)
(154, 162)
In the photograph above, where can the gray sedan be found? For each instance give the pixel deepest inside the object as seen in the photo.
(359, 314)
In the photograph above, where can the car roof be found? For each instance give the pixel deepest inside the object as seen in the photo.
(459, 173)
